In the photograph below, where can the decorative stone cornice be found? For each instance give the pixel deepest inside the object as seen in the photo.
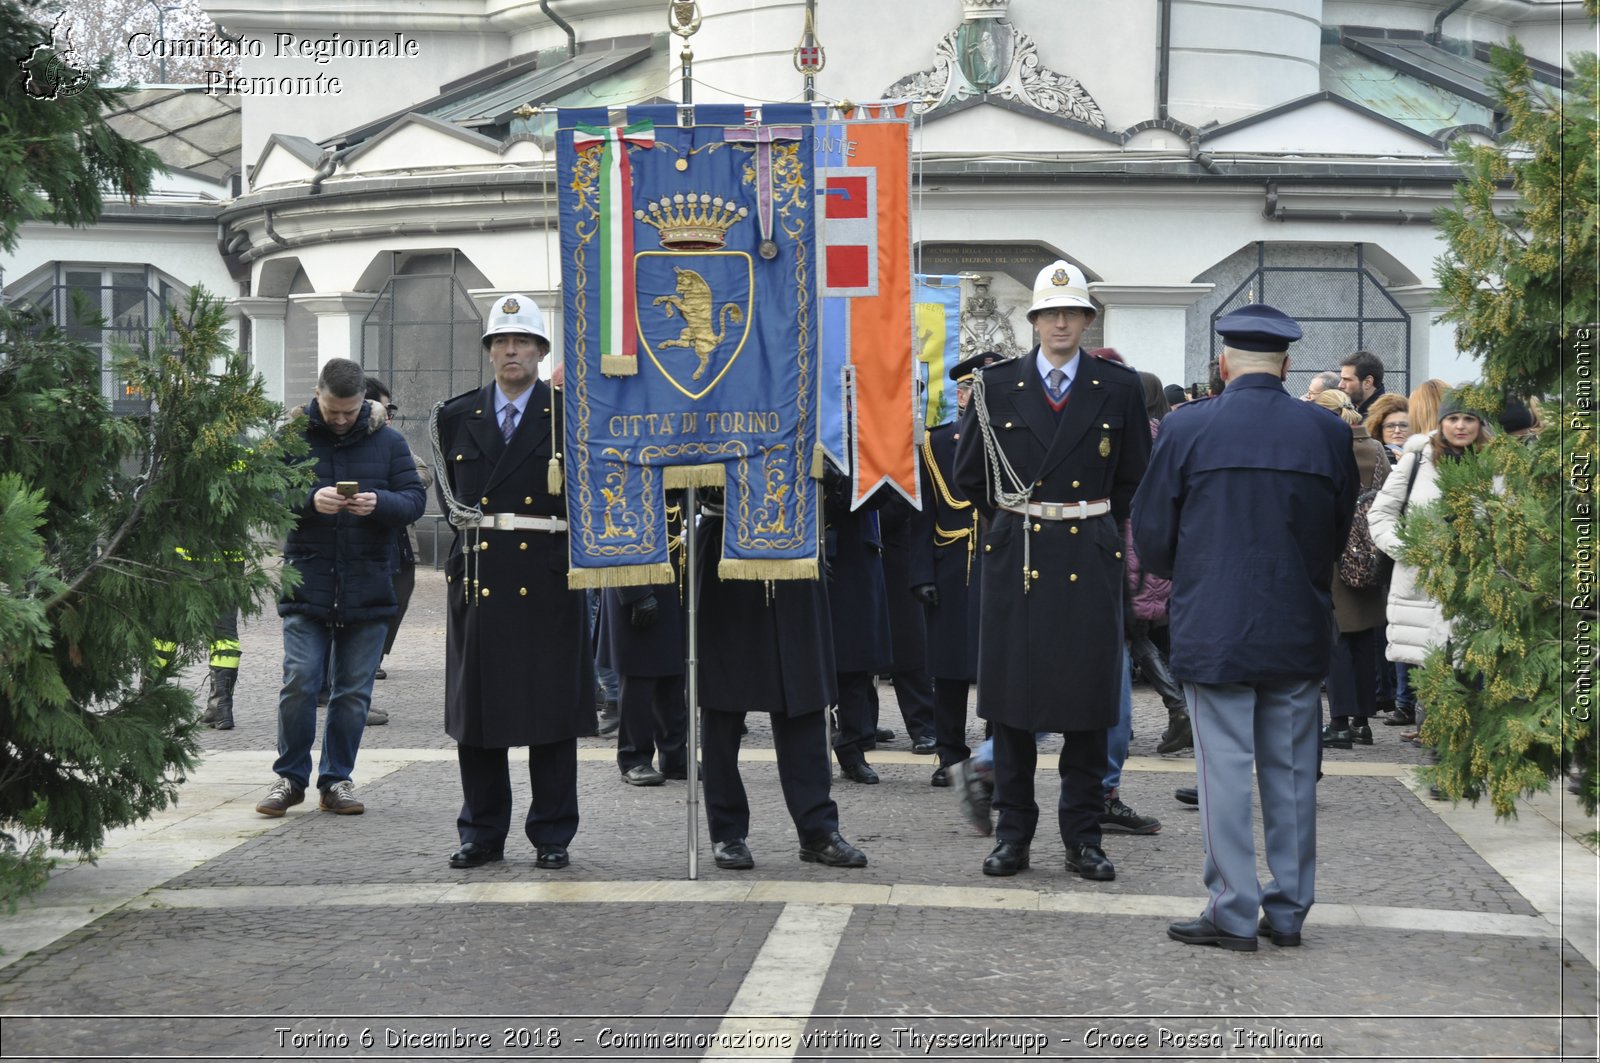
(986, 58)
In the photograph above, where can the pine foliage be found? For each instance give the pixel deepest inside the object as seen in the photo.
(117, 533)
(1509, 549)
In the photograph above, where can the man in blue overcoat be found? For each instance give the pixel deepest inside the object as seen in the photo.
(1245, 508)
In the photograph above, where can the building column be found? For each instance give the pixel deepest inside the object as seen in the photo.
(340, 316)
(1148, 324)
(1433, 345)
(267, 357)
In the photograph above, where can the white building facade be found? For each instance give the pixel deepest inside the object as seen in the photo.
(1188, 155)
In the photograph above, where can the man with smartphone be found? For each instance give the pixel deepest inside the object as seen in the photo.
(335, 619)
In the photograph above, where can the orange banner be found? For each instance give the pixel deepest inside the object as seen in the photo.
(866, 259)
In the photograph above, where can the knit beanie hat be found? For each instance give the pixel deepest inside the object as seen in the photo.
(1454, 401)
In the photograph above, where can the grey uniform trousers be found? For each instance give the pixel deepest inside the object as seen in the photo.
(1273, 727)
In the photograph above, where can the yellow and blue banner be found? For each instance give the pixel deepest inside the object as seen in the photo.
(719, 281)
(938, 331)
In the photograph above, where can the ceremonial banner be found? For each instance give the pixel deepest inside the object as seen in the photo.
(938, 327)
(864, 185)
(720, 285)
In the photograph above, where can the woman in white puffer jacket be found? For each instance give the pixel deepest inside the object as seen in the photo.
(1416, 621)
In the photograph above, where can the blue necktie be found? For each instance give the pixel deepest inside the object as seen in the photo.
(1056, 381)
(508, 424)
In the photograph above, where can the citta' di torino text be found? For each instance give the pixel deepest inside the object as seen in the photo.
(320, 50)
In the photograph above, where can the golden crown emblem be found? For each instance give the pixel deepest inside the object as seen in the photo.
(510, 306)
(692, 222)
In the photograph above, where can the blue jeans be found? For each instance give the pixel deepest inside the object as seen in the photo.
(313, 651)
(1118, 737)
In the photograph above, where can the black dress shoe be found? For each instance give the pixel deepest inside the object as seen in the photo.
(1187, 795)
(924, 746)
(473, 854)
(1006, 859)
(380, 674)
(551, 857)
(1280, 939)
(643, 775)
(1400, 718)
(1361, 735)
(1203, 931)
(833, 851)
(859, 771)
(1339, 738)
(883, 734)
(1091, 862)
(941, 777)
(733, 856)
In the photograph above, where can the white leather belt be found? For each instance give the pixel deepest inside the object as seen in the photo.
(1063, 510)
(519, 522)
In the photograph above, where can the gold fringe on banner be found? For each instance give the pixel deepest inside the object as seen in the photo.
(676, 477)
(779, 568)
(552, 477)
(818, 461)
(618, 365)
(582, 579)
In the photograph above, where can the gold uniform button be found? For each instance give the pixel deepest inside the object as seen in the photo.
(1020, 384)
(1119, 553)
(1073, 529)
(528, 500)
(485, 592)
(987, 547)
(449, 579)
(1074, 484)
(460, 456)
(1105, 426)
(1096, 383)
(483, 546)
(522, 546)
(1008, 424)
(476, 412)
(522, 591)
(484, 501)
(1073, 577)
(1038, 527)
(1034, 573)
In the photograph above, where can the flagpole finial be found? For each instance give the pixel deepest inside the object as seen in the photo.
(683, 17)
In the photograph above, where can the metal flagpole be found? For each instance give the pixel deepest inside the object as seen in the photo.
(683, 19)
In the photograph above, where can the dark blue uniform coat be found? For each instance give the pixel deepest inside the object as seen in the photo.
(1248, 530)
(907, 536)
(519, 664)
(857, 598)
(1050, 657)
(955, 545)
(763, 646)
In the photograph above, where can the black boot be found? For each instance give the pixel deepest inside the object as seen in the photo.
(1178, 735)
(219, 707)
(610, 720)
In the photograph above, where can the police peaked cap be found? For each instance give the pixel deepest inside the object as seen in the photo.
(967, 366)
(1258, 327)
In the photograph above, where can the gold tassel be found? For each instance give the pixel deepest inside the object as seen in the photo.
(817, 461)
(582, 579)
(772, 569)
(618, 365)
(552, 477)
(677, 477)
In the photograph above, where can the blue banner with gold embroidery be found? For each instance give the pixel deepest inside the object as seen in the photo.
(716, 275)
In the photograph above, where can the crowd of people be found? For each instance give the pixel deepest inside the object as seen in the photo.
(1082, 523)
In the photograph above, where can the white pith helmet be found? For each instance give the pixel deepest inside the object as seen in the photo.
(1060, 284)
(515, 313)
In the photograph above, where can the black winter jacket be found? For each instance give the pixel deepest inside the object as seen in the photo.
(344, 561)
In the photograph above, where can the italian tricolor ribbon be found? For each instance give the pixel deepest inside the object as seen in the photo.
(619, 343)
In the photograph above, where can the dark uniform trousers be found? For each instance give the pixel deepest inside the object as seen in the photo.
(485, 817)
(913, 690)
(653, 716)
(856, 718)
(801, 743)
(950, 720)
(1082, 766)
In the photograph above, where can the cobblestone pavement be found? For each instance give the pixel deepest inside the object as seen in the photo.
(211, 932)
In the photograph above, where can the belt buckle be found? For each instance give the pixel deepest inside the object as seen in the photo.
(504, 521)
(1051, 511)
